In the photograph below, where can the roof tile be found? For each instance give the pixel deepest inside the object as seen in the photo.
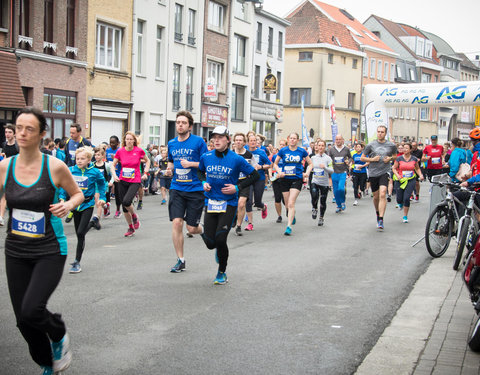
(11, 95)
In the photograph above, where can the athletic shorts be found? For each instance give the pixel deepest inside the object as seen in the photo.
(245, 192)
(165, 183)
(376, 182)
(187, 206)
(433, 172)
(291, 183)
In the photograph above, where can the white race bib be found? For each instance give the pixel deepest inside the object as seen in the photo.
(128, 172)
(28, 223)
(289, 170)
(318, 172)
(407, 174)
(436, 160)
(82, 182)
(339, 160)
(216, 207)
(183, 175)
(358, 167)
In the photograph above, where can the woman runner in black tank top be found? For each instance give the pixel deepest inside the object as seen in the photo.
(35, 247)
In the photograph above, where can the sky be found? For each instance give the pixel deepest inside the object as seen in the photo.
(453, 21)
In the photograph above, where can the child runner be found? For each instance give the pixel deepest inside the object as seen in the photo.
(322, 169)
(104, 168)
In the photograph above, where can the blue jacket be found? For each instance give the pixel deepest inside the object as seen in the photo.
(90, 180)
(457, 157)
(69, 158)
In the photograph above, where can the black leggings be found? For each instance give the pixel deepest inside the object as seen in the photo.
(118, 200)
(256, 190)
(316, 192)
(277, 191)
(403, 195)
(359, 181)
(31, 282)
(215, 233)
(127, 192)
(81, 219)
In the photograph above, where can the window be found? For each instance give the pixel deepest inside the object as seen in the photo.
(215, 73)
(138, 122)
(296, 96)
(392, 72)
(240, 9)
(344, 60)
(330, 96)
(279, 85)
(428, 49)
(59, 108)
(259, 37)
(280, 45)
(178, 22)
(109, 46)
(238, 102)
(270, 41)
(379, 70)
(70, 23)
(305, 56)
(256, 82)
(412, 74)
(240, 48)
(424, 114)
(140, 45)
(354, 63)
(351, 100)
(158, 54)
(365, 67)
(330, 58)
(399, 71)
(267, 96)
(189, 89)
(419, 49)
(372, 68)
(191, 26)
(4, 14)
(48, 27)
(24, 19)
(426, 78)
(176, 86)
(155, 125)
(216, 16)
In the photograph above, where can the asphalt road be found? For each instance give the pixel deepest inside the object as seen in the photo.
(312, 303)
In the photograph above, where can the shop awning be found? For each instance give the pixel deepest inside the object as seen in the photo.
(11, 95)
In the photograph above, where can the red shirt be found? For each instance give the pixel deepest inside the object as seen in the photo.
(435, 153)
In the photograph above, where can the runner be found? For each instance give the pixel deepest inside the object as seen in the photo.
(433, 154)
(418, 154)
(165, 181)
(276, 183)
(219, 171)
(129, 156)
(110, 154)
(186, 192)
(90, 180)
(359, 173)
(322, 168)
(239, 141)
(9, 148)
(105, 170)
(292, 175)
(340, 155)
(36, 247)
(379, 154)
(405, 169)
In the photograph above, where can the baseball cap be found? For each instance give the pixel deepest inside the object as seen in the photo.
(220, 130)
(433, 137)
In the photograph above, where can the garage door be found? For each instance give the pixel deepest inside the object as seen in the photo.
(104, 128)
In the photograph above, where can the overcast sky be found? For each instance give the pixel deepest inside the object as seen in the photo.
(457, 22)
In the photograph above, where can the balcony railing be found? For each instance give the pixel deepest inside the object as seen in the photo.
(176, 100)
(73, 50)
(191, 40)
(26, 40)
(50, 45)
(178, 37)
(189, 102)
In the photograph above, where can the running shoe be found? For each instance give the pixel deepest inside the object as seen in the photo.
(417, 197)
(139, 205)
(69, 217)
(343, 206)
(221, 278)
(164, 201)
(405, 219)
(320, 221)
(136, 222)
(380, 224)
(294, 220)
(355, 203)
(96, 223)
(279, 219)
(130, 232)
(47, 370)
(288, 231)
(249, 227)
(189, 235)
(178, 267)
(238, 231)
(2, 222)
(75, 267)
(106, 210)
(412, 197)
(338, 210)
(389, 198)
(333, 200)
(117, 214)
(62, 356)
(264, 212)
(314, 213)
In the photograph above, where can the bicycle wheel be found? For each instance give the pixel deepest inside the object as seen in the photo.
(461, 240)
(438, 231)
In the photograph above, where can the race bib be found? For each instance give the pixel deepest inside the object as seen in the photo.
(82, 182)
(28, 223)
(216, 207)
(358, 167)
(436, 160)
(241, 176)
(128, 172)
(318, 172)
(289, 170)
(339, 160)
(183, 175)
(257, 158)
(407, 174)
(72, 154)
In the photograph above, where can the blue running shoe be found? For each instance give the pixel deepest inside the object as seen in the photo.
(380, 224)
(75, 267)
(294, 220)
(288, 231)
(343, 206)
(62, 356)
(178, 267)
(47, 370)
(221, 278)
(338, 209)
(405, 219)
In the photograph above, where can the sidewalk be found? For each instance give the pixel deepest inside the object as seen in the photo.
(429, 333)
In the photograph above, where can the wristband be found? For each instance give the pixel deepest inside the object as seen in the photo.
(236, 188)
(203, 183)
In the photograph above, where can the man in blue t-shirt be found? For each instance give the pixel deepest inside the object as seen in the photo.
(186, 191)
(75, 141)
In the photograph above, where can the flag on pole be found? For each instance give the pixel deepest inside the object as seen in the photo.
(305, 139)
(333, 118)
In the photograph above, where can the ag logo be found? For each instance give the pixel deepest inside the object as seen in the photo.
(422, 100)
(378, 114)
(476, 98)
(457, 93)
(389, 92)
